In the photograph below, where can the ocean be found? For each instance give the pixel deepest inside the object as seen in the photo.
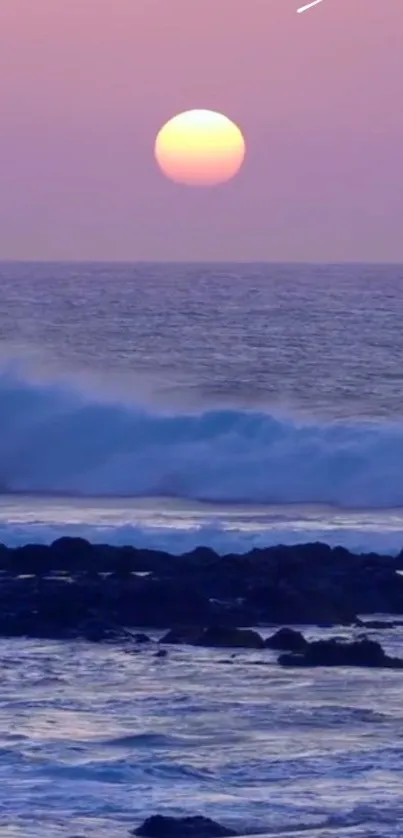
(170, 406)
(230, 405)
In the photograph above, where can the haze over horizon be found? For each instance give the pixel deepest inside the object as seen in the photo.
(87, 84)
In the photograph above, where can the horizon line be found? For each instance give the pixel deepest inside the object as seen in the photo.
(257, 261)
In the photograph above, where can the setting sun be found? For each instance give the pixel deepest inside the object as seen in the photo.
(200, 148)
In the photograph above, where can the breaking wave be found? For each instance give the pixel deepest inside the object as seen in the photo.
(54, 438)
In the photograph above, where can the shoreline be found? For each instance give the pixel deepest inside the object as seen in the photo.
(73, 588)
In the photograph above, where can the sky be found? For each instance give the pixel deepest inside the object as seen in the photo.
(85, 86)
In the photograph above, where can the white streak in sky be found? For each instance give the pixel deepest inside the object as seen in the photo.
(308, 6)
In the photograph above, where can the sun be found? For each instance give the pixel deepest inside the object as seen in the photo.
(200, 148)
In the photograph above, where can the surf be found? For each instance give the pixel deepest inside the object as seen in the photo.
(56, 438)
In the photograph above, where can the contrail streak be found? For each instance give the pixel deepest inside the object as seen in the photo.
(308, 6)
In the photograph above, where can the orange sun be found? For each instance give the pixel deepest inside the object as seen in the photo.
(200, 148)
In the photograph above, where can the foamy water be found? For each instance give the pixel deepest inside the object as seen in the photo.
(177, 525)
(94, 739)
(74, 463)
(56, 439)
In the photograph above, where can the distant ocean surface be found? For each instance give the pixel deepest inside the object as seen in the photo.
(228, 405)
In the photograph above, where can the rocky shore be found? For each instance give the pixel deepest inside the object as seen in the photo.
(76, 589)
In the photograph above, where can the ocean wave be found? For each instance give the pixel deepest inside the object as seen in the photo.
(57, 439)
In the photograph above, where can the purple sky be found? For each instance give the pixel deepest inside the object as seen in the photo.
(86, 84)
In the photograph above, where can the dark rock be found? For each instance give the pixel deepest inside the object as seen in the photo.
(225, 637)
(287, 639)
(57, 590)
(181, 636)
(162, 653)
(139, 637)
(69, 552)
(96, 631)
(363, 653)
(293, 599)
(162, 826)
(215, 637)
(164, 602)
(34, 558)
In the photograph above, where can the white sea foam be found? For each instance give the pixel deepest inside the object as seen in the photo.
(223, 539)
(55, 439)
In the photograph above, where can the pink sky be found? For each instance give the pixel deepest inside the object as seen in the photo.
(86, 84)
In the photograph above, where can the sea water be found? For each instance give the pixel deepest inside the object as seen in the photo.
(93, 739)
(173, 404)
(177, 405)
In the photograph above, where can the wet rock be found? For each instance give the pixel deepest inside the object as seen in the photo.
(168, 601)
(295, 597)
(72, 582)
(286, 639)
(68, 553)
(162, 826)
(362, 653)
(181, 636)
(215, 637)
(97, 631)
(139, 637)
(226, 637)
